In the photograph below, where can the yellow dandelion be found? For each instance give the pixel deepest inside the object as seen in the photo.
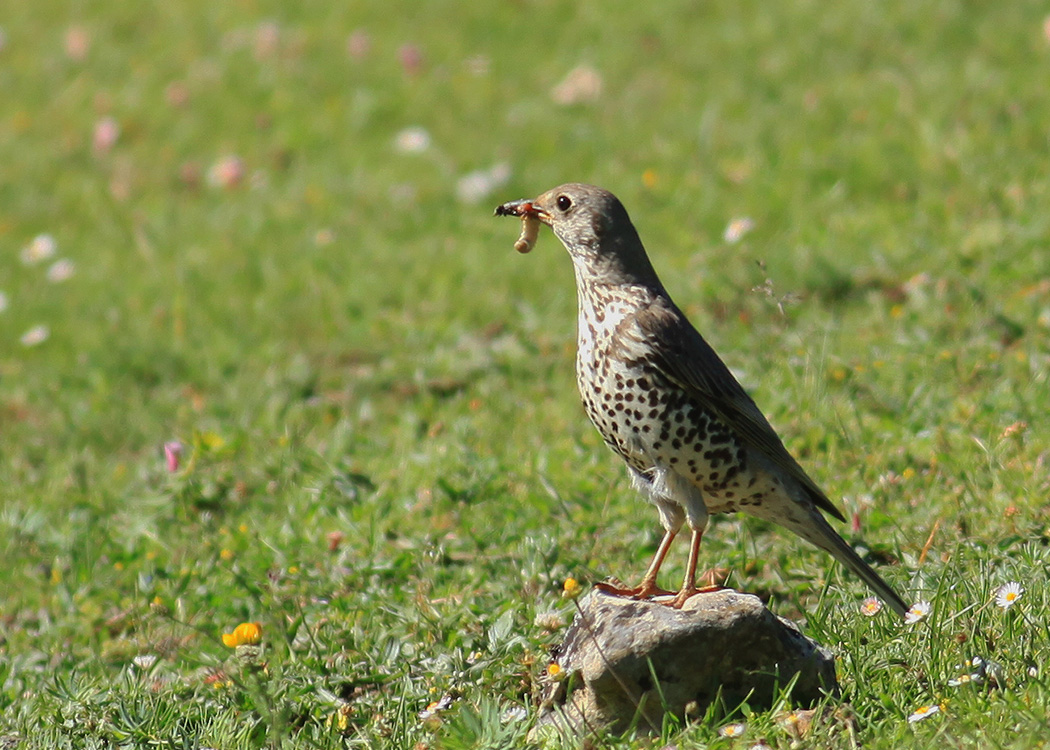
(571, 589)
(245, 634)
(342, 721)
(211, 440)
(554, 671)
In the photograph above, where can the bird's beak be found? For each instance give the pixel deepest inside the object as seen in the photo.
(522, 209)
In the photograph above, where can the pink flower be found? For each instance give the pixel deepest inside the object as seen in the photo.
(411, 59)
(359, 44)
(107, 130)
(226, 173)
(77, 43)
(267, 39)
(172, 453)
(177, 94)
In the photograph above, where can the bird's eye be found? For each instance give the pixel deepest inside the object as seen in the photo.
(564, 203)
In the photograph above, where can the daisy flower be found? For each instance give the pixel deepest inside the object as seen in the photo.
(35, 336)
(737, 228)
(43, 247)
(549, 621)
(436, 707)
(60, 271)
(919, 611)
(1008, 594)
(414, 140)
(870, 606)
(144, 661)
(923, 712)
(732, 730)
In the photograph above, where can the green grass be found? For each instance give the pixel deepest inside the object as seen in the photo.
(386, 463)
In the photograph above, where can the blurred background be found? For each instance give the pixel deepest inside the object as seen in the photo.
(261, 233)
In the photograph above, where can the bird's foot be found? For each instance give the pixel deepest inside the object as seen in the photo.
(644, 591)
(688, 593)
(712, 581)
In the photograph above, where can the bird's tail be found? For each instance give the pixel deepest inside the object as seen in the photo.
(816, 530)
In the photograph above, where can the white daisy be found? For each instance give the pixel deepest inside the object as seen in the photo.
(733, 730)
(43, 247)
(870, 606)
(923, 712)
(737, 228)
(918, 611)
(60, 270)
(35, 335)
(144, 661)
(1008, 594)
(414, 140)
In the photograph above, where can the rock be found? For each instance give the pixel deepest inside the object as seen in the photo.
(627, 662)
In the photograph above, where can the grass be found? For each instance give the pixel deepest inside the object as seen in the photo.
(385, 461)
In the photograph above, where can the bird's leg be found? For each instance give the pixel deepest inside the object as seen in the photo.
(689, 583)
(648, 585)
(696, 514)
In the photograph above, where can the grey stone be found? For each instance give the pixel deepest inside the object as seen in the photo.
(626, 662)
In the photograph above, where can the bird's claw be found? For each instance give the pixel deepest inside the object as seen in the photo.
(632, 592)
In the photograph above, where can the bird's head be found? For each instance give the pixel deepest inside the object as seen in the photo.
(595, 229)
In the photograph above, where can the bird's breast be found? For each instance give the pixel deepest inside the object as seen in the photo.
(650, 421)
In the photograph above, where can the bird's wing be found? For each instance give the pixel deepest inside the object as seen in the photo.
(685, 359)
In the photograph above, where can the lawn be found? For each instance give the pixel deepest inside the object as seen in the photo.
(266, 356)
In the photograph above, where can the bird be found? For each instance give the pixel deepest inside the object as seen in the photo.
(694, 441)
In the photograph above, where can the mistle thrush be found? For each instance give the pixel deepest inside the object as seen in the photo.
(693, 440)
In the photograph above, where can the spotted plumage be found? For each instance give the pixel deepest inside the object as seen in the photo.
(693, 440)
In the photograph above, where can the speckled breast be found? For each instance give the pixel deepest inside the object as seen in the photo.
(651, 422)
